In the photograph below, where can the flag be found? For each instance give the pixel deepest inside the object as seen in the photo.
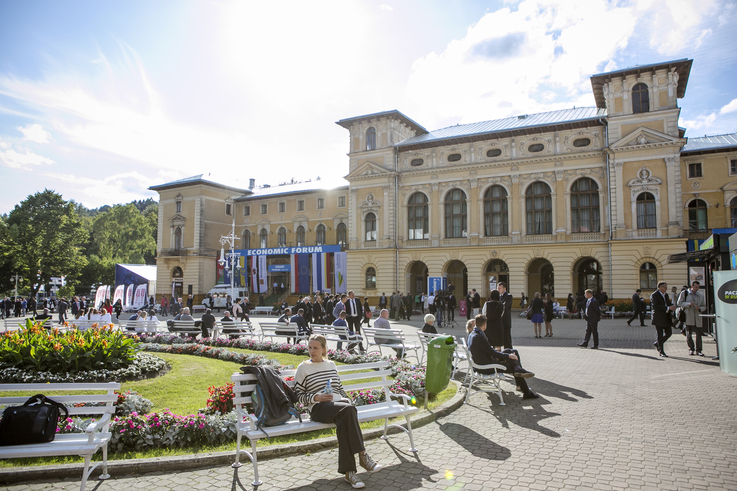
(341, 272)
(321, 271)
(253, 268)
(262, 286)
(302, 262)
(293, 273)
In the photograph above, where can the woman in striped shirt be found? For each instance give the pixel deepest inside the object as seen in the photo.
(311, 380)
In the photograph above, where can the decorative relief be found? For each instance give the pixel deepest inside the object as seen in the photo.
(585, 251)
(415, 256)
(646, 250)
(670, 161)
(515, 178)
(514, 168)
(617, 88)
(695, 185)
(548, 142)
(559, 175)
(558, 164)
(444, 156)
(434, 176)
(644, 181)
(494, 253)
(454, 255)
(538, 252)
(319, 215)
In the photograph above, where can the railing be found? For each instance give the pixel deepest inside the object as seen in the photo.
(411, 244)
(497, 239)
(586, 237)
(643, 233)
(539, 239)
(369, 244)
(461, 241)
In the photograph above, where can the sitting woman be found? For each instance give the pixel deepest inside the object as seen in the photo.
(310, 384)
(105, 317)
(428, 327)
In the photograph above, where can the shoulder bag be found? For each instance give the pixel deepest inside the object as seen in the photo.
(33, 422)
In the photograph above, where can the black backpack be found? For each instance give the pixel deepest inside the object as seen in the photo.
(272, 399)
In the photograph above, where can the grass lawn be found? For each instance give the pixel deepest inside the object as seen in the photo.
(183, 390)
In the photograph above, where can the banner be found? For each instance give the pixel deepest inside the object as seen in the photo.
(321, 272)
(119, 292)
(293, 272)
(242, 274)
(303, 260)
(463, 311)
(341, 272)
(140, 296)
(253, 269)
(279, 268)
(99, 296)
(129, 296)
(283, 251)
(725, 301)
(262, 286)
(435, 283)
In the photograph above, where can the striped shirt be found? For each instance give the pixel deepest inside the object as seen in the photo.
(311, 379)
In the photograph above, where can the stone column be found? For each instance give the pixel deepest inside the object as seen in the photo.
(516, 212)
(619, 193)
(673, 188)
(435, 214)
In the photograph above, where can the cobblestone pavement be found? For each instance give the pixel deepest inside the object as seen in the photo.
(616, 418)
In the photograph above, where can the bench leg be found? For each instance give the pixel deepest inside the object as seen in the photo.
(499, 393)
(104, 474)
(256, 480)
(85, 472)
(470, 386)
(412, 448)
(386, 427)
(237, 462)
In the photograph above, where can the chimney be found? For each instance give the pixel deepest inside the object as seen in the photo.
(251, 184)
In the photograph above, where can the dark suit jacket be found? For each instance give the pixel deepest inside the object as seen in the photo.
(593, 313)
(476, 301)
(659, 307)
(208, 320)
(637, 304)
(481, 350)
(506, 301)
(452, 304)
(300, 321)
(359, 308)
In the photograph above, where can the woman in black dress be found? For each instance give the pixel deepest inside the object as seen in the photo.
(571, 305)
(494, 310)
(549, 314)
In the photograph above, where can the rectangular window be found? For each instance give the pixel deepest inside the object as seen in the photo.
(228, 210)
(301, 205)
(282, 207)
(320, 203)
(733, 167)
(264, 209)
(694, 170)
(246, 211)
(179, 206)
(341, 199)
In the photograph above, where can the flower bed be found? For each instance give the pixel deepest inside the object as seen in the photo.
(249, 359)
(143, 366)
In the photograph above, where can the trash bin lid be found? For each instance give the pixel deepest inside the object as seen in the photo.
(446, 342)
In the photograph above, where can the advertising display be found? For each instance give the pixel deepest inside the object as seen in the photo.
(119, 292)
(140, 296)
(130, 276)
(725, 301)
(341, 272)
(435, 283)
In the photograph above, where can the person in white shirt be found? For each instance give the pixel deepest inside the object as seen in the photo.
(105, 318)
(94, 315)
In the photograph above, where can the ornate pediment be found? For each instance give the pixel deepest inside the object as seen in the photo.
(368, 170)
(370, 204)
(644, 137)
(644, 180)
(177, 220)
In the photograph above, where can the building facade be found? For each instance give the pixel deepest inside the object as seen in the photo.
(556, 202)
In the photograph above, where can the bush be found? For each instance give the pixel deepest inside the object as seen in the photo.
(220, 400)
(249, 359)
(131, 402)
(38, 349)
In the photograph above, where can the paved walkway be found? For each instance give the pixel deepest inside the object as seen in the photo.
(616, 418)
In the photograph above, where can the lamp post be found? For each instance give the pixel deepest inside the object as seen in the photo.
(232, 257)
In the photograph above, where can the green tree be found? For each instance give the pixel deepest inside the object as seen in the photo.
(122, 235)
(47, 236)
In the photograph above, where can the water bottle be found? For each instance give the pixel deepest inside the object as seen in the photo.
(328, 388)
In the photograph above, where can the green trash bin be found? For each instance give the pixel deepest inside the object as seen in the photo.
(439, 363)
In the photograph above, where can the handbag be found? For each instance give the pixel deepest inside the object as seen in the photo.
(33, 422)
(529, 313)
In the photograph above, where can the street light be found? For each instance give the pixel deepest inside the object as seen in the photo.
(232, 257)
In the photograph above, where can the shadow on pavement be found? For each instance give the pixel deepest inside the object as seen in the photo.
(478, 445)
(529, 417)
(551, 389)
(412, 478)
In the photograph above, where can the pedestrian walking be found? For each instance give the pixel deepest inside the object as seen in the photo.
(693, 303)
(662, 306)
(366, 312)
(638, 308)
(549, 315)
(593, 315)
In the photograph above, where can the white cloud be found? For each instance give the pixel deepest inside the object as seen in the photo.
(35, 133)
(118, 188)
(729, 108)
(673, 24)
(387, 8)
(699, 122)
(17, 160)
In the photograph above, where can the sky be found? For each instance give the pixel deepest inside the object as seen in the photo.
(101, 100)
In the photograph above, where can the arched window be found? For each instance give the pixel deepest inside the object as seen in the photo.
(320, 230)
(640, 99)
(178, 239)
(496, 218)
(455, 214)
(648, 276)
(300, 236)
(264, 236)
(370, 222)
(281, 236)
(646, 211)
(177, 273)
(697, 219)
(341, 234)
(417, 217)
(539, 206)
(370, 278)
(585, 206)
(733, 211)
(246, 239)
(371, 138)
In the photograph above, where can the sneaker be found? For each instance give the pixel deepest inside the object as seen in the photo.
(700, 353)
(523, 373)
(368, 463)
(690, 352)
(530, 395)
(354, 481)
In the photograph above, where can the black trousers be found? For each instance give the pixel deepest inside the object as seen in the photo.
(641, 315)
(451, 315)
(689, 339)
(354, 324)
(664, 333)
(511, 367)
(350, 439)
(508, 335)
(592, 328)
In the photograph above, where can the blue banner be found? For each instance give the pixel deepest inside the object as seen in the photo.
(280, 268)
(303, 261)
(435, 283)
(290, 250)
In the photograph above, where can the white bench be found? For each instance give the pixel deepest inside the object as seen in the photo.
(264, 310)
(184, 327)
(83, 324)
(235, 328)
(95, 437)
(390, 338)
(245, 384)
(459, 354)
(279, 330)
(141, 326)
(334, 333)
(494, 379)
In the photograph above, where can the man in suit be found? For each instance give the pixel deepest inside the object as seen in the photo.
(300, 321)
(476, 303)
(506, 300)
(483, 354)
(593, 316)
(354, 313)
(340, 306)
(62, 309)
(408, 307)
(207, 323)
(451, 305)
(638, 309)
(382, 301)
(662, 306)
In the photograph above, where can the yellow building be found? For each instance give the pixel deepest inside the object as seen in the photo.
(593, 197)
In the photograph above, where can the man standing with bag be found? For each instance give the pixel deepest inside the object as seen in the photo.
(692, 302)
(662, 306)
(593, 315)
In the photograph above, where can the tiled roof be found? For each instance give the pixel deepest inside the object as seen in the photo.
(301, 187)
(710, 143)
(346, 123)
(506, 124)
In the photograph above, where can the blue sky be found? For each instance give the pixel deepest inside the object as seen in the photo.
(100, 100)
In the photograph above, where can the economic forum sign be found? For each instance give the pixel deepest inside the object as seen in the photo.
(283, 251)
